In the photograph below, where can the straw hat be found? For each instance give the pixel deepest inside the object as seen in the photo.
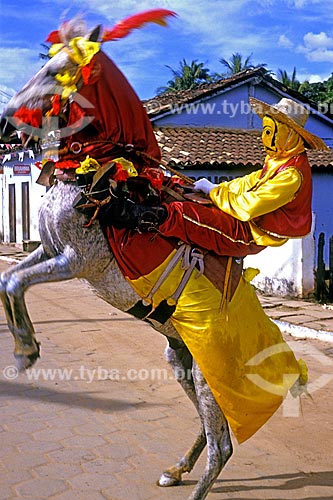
(292, 114)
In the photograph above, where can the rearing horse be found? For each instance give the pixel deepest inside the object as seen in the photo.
(69, 249)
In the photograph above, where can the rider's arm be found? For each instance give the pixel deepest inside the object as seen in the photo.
(245, 203)
(244, 183)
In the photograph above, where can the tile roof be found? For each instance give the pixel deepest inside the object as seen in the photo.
(199, 147)
(165, 103)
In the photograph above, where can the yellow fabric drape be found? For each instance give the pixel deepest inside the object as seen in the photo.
(241, 352)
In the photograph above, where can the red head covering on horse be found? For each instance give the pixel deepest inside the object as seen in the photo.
(117, 117)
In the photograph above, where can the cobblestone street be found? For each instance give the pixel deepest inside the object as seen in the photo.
(100, 415)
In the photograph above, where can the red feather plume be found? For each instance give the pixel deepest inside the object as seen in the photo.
(124, 27)
(53, 37)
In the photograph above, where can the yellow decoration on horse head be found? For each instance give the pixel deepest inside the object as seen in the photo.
(88, 165)
(81, 51)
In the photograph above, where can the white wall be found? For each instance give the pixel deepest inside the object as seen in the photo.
(287, 270)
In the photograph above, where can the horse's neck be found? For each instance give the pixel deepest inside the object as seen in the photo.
(62, 231)
(60, 226)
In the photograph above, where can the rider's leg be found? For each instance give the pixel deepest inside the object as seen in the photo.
(210, 228)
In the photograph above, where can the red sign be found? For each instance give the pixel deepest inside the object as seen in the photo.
(21, 169)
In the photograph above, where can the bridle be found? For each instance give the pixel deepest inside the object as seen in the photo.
(76, 148)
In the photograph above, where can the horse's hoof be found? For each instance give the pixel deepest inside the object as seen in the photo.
(166, 480)
(23, 362)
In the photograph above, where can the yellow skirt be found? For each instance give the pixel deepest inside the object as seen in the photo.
(240, 351)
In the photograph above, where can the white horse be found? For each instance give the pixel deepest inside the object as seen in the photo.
(68, 250)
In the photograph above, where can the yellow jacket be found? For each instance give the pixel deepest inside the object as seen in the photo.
(259, 193)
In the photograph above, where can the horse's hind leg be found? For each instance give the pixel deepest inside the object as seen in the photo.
(181, 361)
(217, 432)
(61, 267)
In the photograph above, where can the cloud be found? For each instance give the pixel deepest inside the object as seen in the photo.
(317, 41)
(317, 47)
(300, 4)
(18, 65)
(285, 42)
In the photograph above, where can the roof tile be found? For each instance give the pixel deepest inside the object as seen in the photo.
(195, 147)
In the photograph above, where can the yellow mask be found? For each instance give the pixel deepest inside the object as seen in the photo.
(279, 140)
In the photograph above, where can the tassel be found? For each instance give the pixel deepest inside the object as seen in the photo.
(301, 385)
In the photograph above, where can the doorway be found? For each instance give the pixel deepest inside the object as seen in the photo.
(12, 213)
(25, 211)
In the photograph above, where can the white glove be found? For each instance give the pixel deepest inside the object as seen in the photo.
(204, 185)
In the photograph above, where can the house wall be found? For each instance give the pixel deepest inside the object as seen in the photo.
(323, 208)
(286, 271)
(224, 110)
(36, 193)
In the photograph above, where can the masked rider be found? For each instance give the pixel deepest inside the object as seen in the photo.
(264, 208)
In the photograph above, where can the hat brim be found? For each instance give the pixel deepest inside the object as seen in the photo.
(263, 109)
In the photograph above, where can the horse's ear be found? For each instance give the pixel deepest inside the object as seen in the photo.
(94, 35)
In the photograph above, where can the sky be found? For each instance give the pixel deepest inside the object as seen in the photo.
(282, 34)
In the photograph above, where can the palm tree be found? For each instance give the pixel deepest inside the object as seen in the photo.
(288, 81)
(235, 64)
(188, 76)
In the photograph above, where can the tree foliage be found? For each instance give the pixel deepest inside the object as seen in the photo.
(319, 92)
(187, 76)
(288, 81)
(236, 64)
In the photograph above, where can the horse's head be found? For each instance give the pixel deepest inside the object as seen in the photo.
(35, 100)
(83, 96)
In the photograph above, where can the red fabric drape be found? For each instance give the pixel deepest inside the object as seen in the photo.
(117, 115)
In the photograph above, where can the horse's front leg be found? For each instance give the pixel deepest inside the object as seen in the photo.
(35, 257)
(61, 267)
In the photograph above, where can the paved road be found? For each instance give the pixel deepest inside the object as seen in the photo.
(98, 419)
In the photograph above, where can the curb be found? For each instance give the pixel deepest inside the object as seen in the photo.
(303, 332)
